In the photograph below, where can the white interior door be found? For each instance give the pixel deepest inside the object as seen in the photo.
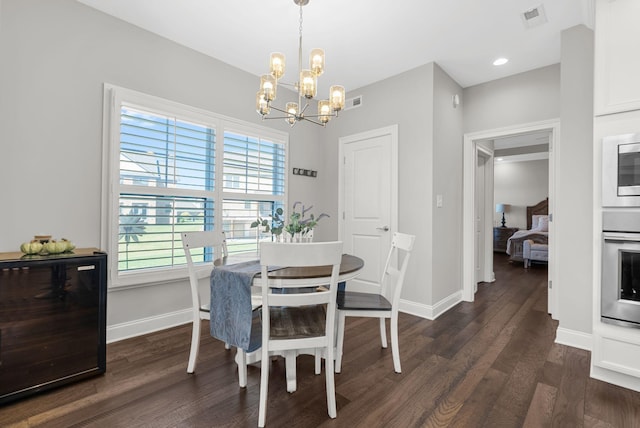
(484, 214)
(479, 218)
(552, 296)
(368, 200)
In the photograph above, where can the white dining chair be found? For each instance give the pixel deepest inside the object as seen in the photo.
(381, 305)
(296, 319)
(216, 242)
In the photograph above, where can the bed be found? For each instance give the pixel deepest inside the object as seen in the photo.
(537, 230)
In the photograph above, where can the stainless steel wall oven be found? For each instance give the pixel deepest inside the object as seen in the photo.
(620, 285)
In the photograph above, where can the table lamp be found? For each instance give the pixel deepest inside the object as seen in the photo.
(502, 208)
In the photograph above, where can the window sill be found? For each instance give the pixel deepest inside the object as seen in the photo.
(156, 277)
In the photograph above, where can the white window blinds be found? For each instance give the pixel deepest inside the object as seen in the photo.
(174, 168)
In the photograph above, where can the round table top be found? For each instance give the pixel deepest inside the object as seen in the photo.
(349, 264)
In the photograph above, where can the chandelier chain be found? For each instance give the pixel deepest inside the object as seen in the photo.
(300, 29)
(299, 62)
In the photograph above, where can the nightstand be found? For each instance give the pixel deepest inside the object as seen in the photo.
(500, 237)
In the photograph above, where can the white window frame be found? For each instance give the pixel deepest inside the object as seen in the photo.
(114, 97)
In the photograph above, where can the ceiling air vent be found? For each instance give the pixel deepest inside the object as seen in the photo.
(534, 17)
(353, 102)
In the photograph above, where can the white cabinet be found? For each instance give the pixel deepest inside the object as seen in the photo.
(617, 350)
(617, 56)
(615, 356)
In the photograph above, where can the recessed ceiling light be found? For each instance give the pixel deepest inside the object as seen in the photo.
(500, 61)
(499, 159)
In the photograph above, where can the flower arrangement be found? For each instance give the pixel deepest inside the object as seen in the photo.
(275, 225)
(299, 224)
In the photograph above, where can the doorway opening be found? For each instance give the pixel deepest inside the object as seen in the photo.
(479, 216)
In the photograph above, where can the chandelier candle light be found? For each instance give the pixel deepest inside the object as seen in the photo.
(306, 87)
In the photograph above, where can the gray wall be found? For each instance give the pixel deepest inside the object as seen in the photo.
(447, 181)
(419, 101)
(56, 55)
(519, 184)
(522, 98)
(404, 100)
(574, 183)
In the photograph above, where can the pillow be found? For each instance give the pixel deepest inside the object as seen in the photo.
(534, 221)
(543, 223)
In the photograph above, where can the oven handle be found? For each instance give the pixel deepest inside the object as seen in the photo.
(621, 236)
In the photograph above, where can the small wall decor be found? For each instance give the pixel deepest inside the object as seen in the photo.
(305, 172)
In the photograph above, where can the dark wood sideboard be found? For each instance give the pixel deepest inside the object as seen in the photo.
(52, 320)
(500, 237)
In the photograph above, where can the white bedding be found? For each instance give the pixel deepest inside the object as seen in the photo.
(522, 234)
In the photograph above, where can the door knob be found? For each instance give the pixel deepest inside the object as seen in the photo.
(384, 229)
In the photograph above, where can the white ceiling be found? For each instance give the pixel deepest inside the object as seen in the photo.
(364, 40)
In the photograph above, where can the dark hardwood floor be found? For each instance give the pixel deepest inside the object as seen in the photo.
(491, 363)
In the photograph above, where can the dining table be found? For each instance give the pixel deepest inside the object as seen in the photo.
(350, 267)
(232, 319)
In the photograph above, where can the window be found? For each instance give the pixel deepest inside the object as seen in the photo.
(173, 168)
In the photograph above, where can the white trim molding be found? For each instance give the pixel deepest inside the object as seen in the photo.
(574, 338)
(615, 378)
(142, 326)
(430, 312)
(468, 207)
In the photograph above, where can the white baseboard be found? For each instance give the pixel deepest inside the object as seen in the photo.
(576, 339)
(430, 312)
(142, 326)
(615, 378)
(148, 325)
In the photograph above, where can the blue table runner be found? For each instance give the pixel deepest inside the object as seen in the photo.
(231, 315)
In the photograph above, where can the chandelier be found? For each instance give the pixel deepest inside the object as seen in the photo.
(306, 86)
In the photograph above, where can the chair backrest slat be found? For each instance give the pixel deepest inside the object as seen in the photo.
(393, 278)
(300, 299)
(291, 255)
(204, 239)
(196, 240)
